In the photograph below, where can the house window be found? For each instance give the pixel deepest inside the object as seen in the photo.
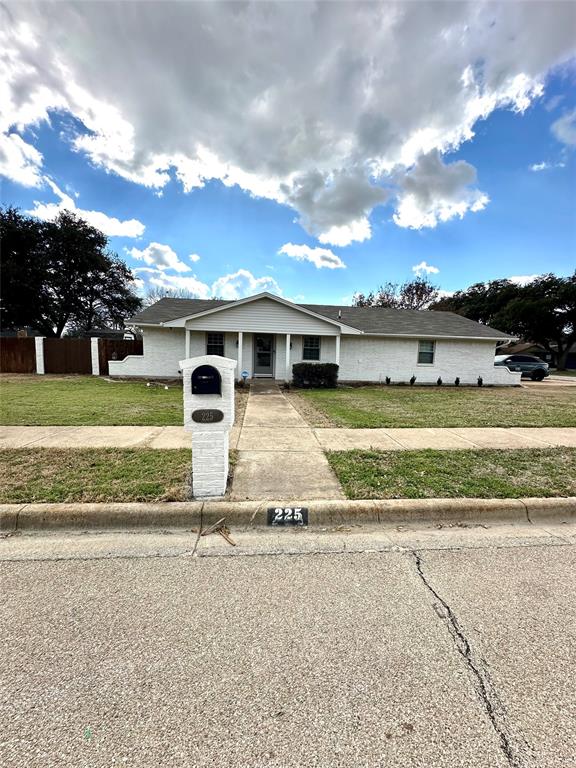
(426, 352)
(215, 344)
(311, 348)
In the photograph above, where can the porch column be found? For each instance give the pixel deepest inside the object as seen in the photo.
(338, 350)
(187, 354)
(239, 356)
(287, 376)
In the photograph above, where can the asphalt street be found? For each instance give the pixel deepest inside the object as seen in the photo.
(351, 647)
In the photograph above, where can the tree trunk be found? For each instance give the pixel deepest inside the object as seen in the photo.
(564, 347)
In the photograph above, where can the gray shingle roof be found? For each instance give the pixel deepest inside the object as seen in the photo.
(380, 320)
(407, 322)
(171, 309)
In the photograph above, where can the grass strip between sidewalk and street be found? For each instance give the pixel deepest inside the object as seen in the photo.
(503, 474)
(94, 475)
(380, 406)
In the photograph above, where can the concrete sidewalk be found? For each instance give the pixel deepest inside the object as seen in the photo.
(445, 439)
(273, 425)
(100, 437)
(279, 455)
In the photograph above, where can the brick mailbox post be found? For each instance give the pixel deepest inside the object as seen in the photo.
(209, 415)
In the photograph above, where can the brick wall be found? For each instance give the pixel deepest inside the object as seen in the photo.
(372, 359)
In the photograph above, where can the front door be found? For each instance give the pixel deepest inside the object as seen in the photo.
(263, 354)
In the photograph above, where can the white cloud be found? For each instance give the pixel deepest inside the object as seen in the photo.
(545, 166)
(107, 224)
(160, 256)
(320, 257)
(433, 191)
(522, 279)
(318, 106)
(236, 285)
(243, 283)
(191, 284)
(356, 231)
(194, 257)
(423, 268)
(564, 129)
(19, 161)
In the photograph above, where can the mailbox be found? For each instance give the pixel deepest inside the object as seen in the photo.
(206, 380)
(208, 389)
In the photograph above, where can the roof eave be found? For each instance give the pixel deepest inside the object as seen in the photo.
(439, 336)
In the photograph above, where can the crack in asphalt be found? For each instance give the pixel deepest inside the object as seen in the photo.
(514, 747)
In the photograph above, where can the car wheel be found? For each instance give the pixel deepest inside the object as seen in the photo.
(537, 375)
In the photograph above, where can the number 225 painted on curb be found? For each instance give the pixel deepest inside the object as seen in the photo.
(287, 516)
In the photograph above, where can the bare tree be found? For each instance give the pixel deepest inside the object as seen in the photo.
(414, 294)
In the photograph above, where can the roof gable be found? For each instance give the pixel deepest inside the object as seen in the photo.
(181, 321)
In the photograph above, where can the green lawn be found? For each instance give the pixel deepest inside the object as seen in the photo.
(86, 400)
(440, 407)
(92, 475)
(454, 474)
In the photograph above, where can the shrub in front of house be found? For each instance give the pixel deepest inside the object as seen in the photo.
(308, 375)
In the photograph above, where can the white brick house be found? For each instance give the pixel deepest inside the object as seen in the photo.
(267, 335)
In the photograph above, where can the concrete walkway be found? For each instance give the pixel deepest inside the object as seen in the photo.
(279, 456)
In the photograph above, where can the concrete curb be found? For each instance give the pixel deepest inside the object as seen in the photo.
(27, 517)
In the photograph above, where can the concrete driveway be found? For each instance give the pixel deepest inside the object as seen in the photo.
(433, 648)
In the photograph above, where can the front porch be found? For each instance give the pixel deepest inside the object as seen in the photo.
(264, 355)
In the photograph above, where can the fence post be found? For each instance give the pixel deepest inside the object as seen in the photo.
(39, 348)
(95, 357)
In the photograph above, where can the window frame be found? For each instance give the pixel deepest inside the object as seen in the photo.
(215, 344)
(313, 349)
(420, 351)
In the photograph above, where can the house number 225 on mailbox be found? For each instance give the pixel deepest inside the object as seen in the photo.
(207, 416)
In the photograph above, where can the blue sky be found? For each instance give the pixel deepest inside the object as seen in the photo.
(318, 213)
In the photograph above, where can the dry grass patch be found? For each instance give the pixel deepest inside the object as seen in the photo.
(503, 474)
(94, 475)
(379, 406)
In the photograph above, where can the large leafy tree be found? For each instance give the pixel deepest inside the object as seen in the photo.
(59, 276)
(415, 294)
(482, 302)
(542, 312)
(24, 264)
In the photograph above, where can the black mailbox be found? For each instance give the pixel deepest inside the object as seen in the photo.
(206, 380)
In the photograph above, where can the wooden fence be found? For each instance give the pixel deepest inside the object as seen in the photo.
(67, 355)
(17, 355)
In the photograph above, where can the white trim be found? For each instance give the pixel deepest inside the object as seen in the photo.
(337, 355)
(181, 321)
(287, 376)
(187, 345)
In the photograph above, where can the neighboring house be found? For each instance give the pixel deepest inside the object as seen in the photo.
(267, 335)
